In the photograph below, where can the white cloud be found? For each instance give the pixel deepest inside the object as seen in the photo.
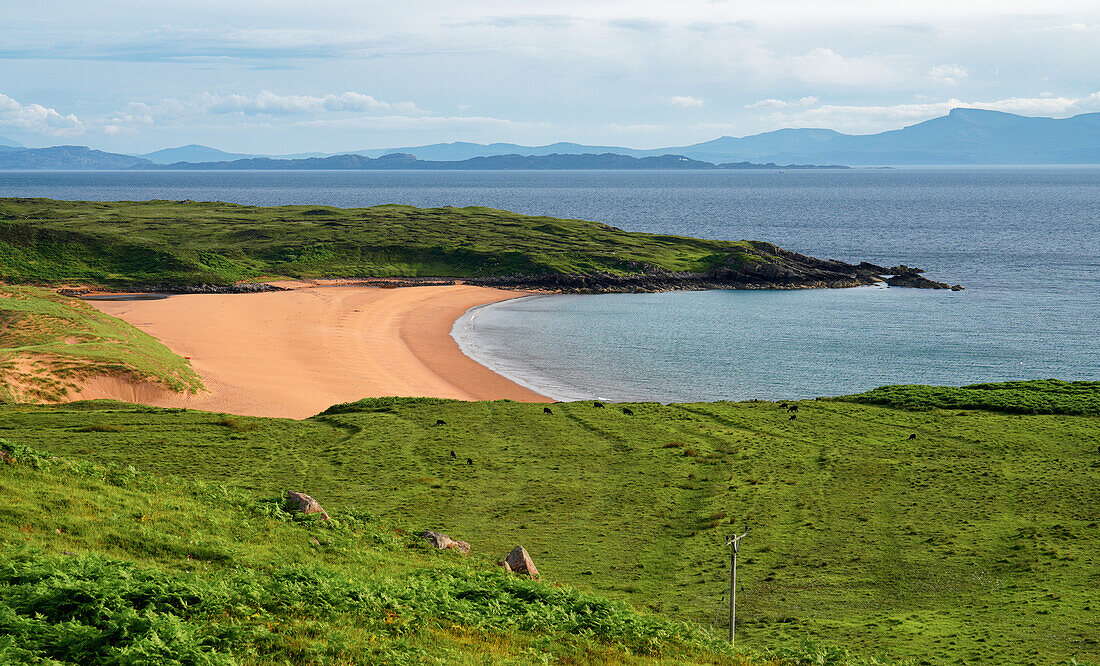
(686, 101)
(37, 119)
(949, 74)
(1071, 27)
(821, 66)
(270, 103)
(809, 100)
(421, 123)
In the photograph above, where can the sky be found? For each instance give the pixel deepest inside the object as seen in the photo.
(275, 76)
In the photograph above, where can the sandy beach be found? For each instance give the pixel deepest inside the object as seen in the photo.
(294, 353)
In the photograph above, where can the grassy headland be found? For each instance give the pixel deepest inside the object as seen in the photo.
(150, 243)
(49, 343)
(975, 541)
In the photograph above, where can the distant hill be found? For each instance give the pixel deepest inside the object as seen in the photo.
(462, 150)
(398, 161)
(964, 136)
(67, 157)
(191, 153)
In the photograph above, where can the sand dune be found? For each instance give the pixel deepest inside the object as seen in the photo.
(294, 353)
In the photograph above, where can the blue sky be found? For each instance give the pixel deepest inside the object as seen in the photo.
(275, 76)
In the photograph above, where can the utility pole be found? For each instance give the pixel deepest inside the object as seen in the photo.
(734, 542)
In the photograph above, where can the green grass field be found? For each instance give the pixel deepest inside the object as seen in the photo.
(49, 343)
(107, 565)
(123, 243)
(977, 541)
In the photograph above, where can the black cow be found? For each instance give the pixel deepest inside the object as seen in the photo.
(628, 411)
(792, 408)
(469, 461)
(440, 422)
(793, 417)
(453, 454)
(598, 405)
(912, 437)
(547, 410)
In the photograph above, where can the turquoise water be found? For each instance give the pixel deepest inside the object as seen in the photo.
(1024, 241)
(732, 345)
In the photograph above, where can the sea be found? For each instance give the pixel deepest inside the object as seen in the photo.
(1023, 241)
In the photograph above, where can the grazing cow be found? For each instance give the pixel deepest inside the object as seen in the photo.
(782, 405)
(912, 437)
(628, 411)
(598, 405)
(469, 461)
(793, 417)
(453, 454)
(547, 410)
(440, 422)
(792, 408)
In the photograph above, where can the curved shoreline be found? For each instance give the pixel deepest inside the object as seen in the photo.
(296, 352)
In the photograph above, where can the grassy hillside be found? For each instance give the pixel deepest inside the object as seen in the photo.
(150, 242)
(106, 565)
(49, 343)
(1049, 396)
(976, 541)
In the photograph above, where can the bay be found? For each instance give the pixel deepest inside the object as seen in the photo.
(1025, 242)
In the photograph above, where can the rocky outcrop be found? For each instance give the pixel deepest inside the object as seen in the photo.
(444, 542)
(301, 503)
(905, 276)
(518, 561)
(239, 288)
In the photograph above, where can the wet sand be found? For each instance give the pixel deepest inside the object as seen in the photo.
(294, 353)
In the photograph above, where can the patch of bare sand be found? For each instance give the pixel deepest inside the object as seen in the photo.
(294, 353)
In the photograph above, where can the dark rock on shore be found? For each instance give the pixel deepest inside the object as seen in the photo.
(906, 276)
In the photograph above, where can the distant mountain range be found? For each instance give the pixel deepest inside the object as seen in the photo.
(397, 161)
(964, 136)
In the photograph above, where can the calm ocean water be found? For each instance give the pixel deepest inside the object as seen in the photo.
(1024, 241)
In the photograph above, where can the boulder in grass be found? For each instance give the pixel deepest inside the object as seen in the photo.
(520, 562)
(437, 539)
(302, 503)
(443, 542)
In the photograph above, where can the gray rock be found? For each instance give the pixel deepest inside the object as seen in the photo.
(302, 503)
(520, 562)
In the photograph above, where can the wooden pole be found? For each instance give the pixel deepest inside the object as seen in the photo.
(734, 542)
(733, 589)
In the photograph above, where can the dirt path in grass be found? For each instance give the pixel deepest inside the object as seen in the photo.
(294, 353)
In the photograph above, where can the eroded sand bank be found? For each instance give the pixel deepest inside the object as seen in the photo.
(294, 353)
